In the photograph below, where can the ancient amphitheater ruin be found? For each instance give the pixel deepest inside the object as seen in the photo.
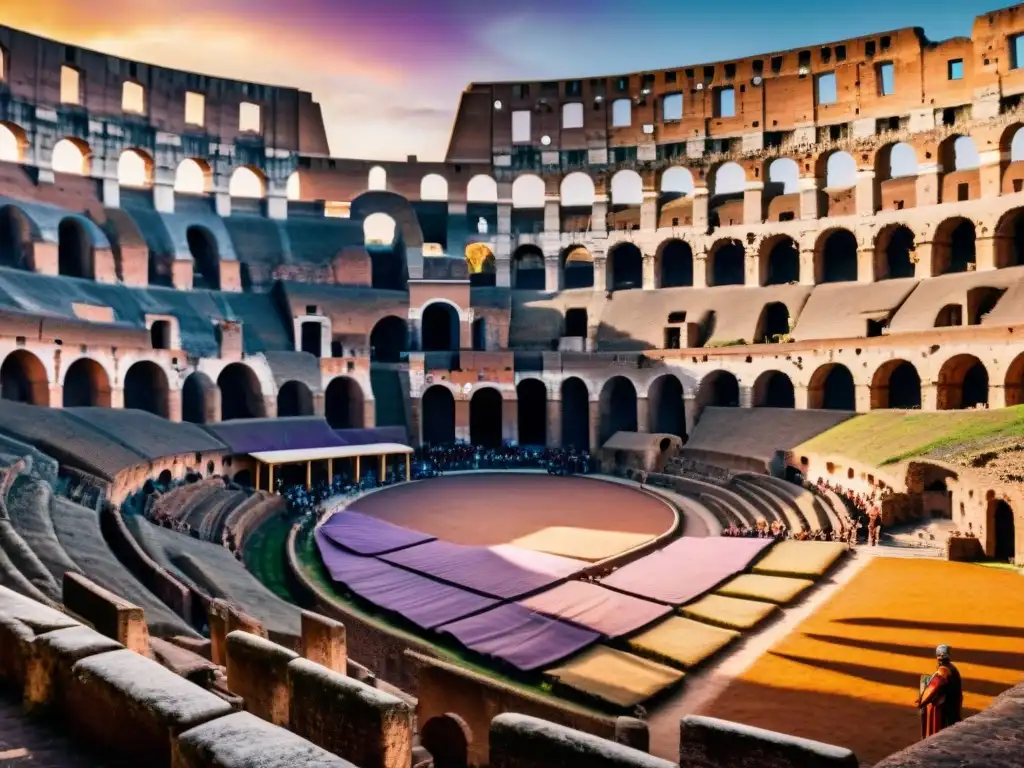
(756, 291)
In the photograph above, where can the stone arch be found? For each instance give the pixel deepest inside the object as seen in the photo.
(448, 739)
(193, 177)
(958, 153)
(832, 389)
(482, 189)
(532, 412)
(677, 182)
(953, 246)
(577, 191)
(16, 250)
(379, 229)
(437, 413)
(146, 388)
(896, 384)
(1014, 382)
(626, 266)
(343, 403)
(840, 170)
(528, 191)
(784, 176)
(294, 398)
(135, 169)
(617, 408)
(950, 315)
(773, 389)
(981, 300)
(665, 410)
(439, 327)
(528, 273)
(247, 182)
(894, 253)
(719, 388)
(199, 399)
(1002, 527)
(12, 143)
(675, 264)
(779, 261)
(23, 379)
(575, 414)
(835, 257)
(728, 179)
(1009, 239)
(86, 383)
(389, 339)
(71, 156)
(963, 383)
(726, 263)
(205, 257)
(75, 253)
(895, 161)
(627, 188)
(377, 179)
(434, 186)
(390, 266)
(241, 396)
(773, 322)
(485, 417)
(577, 267)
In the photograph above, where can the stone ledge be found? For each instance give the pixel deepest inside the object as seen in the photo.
(707, 742)
(48, 668)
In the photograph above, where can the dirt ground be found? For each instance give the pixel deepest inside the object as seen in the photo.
(850, 673)
(488, 509)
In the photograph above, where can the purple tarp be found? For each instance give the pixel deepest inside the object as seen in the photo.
(424, 602)
(611, 613)
(296, 433)
(503, 571)
(367, 535)
(686, 568)
(520, 637)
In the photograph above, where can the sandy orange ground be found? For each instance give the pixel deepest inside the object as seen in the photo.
(849, 674)
(496, 508)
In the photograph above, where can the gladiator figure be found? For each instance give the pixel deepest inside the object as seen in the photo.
(874, 526)
(942, 695)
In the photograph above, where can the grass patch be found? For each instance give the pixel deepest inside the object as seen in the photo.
(265, 557)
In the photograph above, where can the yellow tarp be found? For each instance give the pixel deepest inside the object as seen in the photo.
(773, 589)
(729, 612)
(682, 642)
(614, 676)
(581, 543)
(800, 558)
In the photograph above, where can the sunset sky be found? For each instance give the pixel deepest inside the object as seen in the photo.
(388, 72)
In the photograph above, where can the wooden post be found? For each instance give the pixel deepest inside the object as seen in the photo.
(330, 470)
(383, 467)
(357, 470)
(309, 475)
(270, 480)
(408, 468)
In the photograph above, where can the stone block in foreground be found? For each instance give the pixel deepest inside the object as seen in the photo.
(707, 742)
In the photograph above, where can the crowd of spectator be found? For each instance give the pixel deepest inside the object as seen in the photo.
(863, 512)
(434, 460)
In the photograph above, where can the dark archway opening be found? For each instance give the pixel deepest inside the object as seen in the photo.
(773, 389)
(205, 258)
(839, 258)
(240, 393)
(440, 328)
(575, 414)
(389, 269)
(74, 249)
(23, 379)
(898, 263)
(294, 398)
(532, 398)
(720, 389)
(963, 383)
(904, 387)
(772, 324)
(312, 335)
(617, 408)
(1009, 242)
(15, 239)
(665, 410)
(1004, 531)
(627, 265)
(160, 334)
(958, 253)
(437, 412)
(146, 388)
(783, 264)
(389, 340)
(343, 404)
(576, 323)
(578, 269)
(981, 301)
(479, 333)
(485, 418)
(676, 265)
(529, 273)
(975, 388)
(837, 389)
(728, 264)
(446, 741)
(86, 384)
(199, 399)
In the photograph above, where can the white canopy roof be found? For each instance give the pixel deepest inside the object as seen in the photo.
(331, 452)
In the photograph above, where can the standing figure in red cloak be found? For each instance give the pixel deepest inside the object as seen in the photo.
(942, 697)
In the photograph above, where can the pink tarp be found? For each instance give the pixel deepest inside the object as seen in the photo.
(686, 568)
(367, 535)
(424, 602)
(503, 571)
(520, 637)
(611, 613)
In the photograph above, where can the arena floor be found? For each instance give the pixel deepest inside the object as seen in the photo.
(849, 674)
(571, 516)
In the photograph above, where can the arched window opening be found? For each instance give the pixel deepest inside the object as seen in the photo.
(532, 406)
(575, 414)
(439, 328)
(902, 161)
(437, 410)
(627, 265)
(1004, 533)
(343, 404)
(74, 249)
(433, 186)
(160, 334)
(86, 384)
(294, 398)
(311, 335)
(782, 264)
(15, 239)
(837, 261)
(389, 340)
(482, 189)
(480, 263)
(377, 179)
(774, 389)
(134, 169)
(247, 183)
(676, 264)
(963, 383)
(479, 333)
(981, 301)
(730, 179)
(199, 399)
(841, 171)
(485, 418)
(12, 142)
(1009, 250)
(191, 178)
(146, 388)
(447, 738)
(773, 324)
(720, 389)
(23, 379)
(576, 323)
(528, 272)
(627, 188)
(676, 182)
(577, 191)
(617, 408)
(728, 264)
(897, 246)
(665, 407)
(1014, 383)
(379, 229)
(949, 316)
(953, 249)
(241, 396)
(896, 385)
(205, 257)
(832, 389)
(70, 157)
(578, 268)
(528, 192)
(783, 177)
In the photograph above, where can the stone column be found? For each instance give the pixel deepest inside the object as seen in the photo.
(650, 279)
(927, 185)
(700, 209)
(809, 198)
(503, 261)
(923, 265)
(504, 217)
(929, 396)
(984, 254)
(552, 214)
(117, 397)
(746, 396)
(222, 203)
(552, 273)
(700, 271)
(996, 395)
(600, 272)
(277, 202)
(174, 405)
(690, 412)
(862, 398)
(649, 211)
(163, 190)
(599, 215)
(554, 430)
(800, 397)
(866, 264)
(866, 202)
(510, 420)
(595, 425)
(990, 171)
(462, 420)
(807, 267)
(753, 202)
(642, 416)
(752, 269)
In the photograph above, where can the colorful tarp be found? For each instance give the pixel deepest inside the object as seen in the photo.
(682, 642)
(686, 568)
(520, 637)
(810, 559)
(367, 535)
(730, 612)
(501, 571)
(773, 589)
(616, 677)
(581, 543)
(424, 602)
(611, 613)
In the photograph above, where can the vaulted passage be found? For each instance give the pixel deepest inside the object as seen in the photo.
(676, 264)
(199, 399)
(575, 414)
(389, 339)
(447, 739)
(532, 409)
(1003, 531)
(578, 268)
(832, 389)
(146, 388)
(485, 418)
(773, 389)
(617, 408)
(837, 258)
(240, 394)
(23, 379)
(894, 260)
(205, 258)
(954, 247)
(86, 384)
(782, 265)
(627, 266)
(665, 413)
(720, 389)
(728, 264)
(896, 385)
(74, 249)
(437, 415)
(963, 383)
(528, 272)
(343, 403)
(294, 399)
(772, 324)
(439, 327)
(15, 239)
